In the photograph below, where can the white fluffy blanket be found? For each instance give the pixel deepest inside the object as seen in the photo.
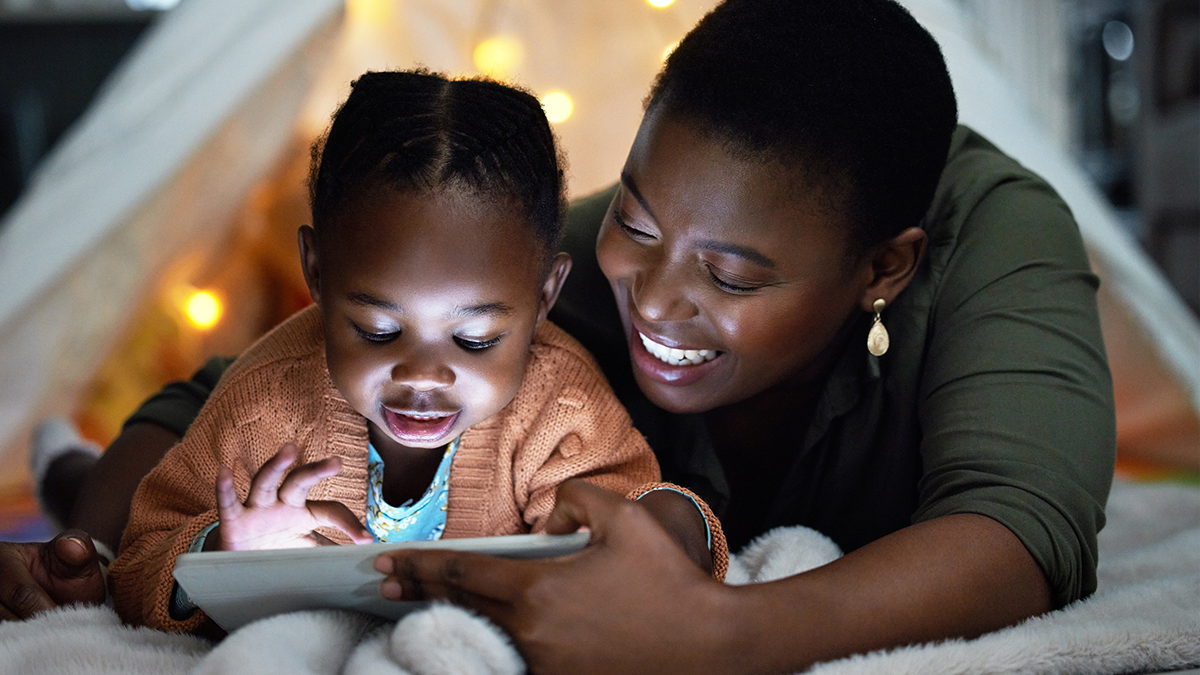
(1144, 618)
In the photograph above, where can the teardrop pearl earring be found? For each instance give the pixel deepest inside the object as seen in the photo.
(877, 339)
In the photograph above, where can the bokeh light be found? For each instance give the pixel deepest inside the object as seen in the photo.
(660, 3)
(558, 106)
(499, 56)
(377, 13)
(203, 309)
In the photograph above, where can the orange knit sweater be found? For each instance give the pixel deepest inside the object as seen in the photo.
(564, 422)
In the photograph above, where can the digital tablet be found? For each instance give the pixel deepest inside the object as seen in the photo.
(237, 587)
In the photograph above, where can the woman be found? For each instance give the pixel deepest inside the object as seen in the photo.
(784, 181)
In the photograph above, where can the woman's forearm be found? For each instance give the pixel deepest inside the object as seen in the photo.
(955, 576)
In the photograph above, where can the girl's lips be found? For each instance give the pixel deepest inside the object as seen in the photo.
(688, 371)
(420, 428)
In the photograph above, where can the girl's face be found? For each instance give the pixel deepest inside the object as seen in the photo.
(730, 276)
(429, 303)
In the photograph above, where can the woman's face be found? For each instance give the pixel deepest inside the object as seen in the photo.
(730, 275)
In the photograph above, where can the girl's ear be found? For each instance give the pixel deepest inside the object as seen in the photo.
(560, 267)
(309, 261)
(893, 264)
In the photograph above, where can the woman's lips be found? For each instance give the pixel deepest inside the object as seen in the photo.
(648, 357)
(424, 427)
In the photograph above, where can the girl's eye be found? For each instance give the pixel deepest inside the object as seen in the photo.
(476, 345)
(630, 230)
(375, 337)
(727, 285)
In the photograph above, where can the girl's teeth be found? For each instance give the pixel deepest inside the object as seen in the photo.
(677, 357)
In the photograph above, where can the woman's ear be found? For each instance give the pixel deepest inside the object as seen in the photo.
(893, 264)
(309, 261)
(560, 267)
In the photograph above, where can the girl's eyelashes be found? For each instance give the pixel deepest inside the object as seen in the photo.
(728, 286)
(476, 345)
(375, 337)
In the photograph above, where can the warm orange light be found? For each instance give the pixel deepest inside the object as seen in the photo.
(498, 56)
(203, 309)
(660, 3)
(558, 106)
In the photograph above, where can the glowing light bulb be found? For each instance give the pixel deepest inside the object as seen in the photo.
(498, 56)
(558, 106)
(377, 13)
(660, 3)
(202, 309)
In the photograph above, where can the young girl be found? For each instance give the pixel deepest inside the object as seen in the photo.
(424, 391)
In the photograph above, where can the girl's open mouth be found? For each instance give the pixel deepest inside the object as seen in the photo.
(420, 427)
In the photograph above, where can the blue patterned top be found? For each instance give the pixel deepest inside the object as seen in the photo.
(424, 519)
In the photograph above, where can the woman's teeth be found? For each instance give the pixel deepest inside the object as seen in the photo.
(677, 357)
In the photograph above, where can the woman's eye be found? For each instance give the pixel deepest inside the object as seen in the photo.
(631, 230)
(729, 286)
(475, 345)
(375, 337)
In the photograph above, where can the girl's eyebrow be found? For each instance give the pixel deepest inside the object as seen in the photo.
(486, 309)
(368, 300)
(627, 181)
(483, 309)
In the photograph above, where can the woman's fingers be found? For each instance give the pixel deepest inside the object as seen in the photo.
(487, 584)
(337, 515)
(263, 489)
(21, 594)
(294, 489)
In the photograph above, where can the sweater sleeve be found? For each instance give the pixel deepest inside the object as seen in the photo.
(172, 504)
(580, 430)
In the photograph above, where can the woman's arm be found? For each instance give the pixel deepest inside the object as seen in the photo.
(959, 575)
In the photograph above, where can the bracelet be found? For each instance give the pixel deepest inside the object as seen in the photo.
(707, 527)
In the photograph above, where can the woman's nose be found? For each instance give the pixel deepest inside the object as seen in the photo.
(422, 373)
(658, 294)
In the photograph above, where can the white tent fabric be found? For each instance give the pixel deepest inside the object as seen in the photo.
(207, 102)
(156, 167)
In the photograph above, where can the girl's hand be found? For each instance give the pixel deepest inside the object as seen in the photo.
(283, 516)
(631, 602)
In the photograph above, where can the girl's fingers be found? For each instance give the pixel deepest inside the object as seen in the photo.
(336, 515)
(294, 489)
(229, 507)
(264, 486)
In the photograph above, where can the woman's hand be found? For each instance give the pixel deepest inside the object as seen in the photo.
(35, 577)
(631, 602)
(280, 515)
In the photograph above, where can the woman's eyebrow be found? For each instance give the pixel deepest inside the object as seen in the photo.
(739, 251)
(627, 181)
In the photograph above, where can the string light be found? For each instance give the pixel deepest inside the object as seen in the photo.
(660, 3)
(498, 56)
(377, 13)
(203, 309)
(558, 106)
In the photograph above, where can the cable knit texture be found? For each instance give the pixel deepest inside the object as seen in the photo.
(564, 422)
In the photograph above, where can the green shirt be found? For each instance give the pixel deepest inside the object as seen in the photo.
(994, 398)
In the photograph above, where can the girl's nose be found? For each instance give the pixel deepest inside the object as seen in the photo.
(658, 294)
(423, 374)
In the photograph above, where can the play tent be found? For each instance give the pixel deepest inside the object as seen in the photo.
(221, 95)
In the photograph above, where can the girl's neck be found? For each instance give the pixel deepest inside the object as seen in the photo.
(407, 472)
